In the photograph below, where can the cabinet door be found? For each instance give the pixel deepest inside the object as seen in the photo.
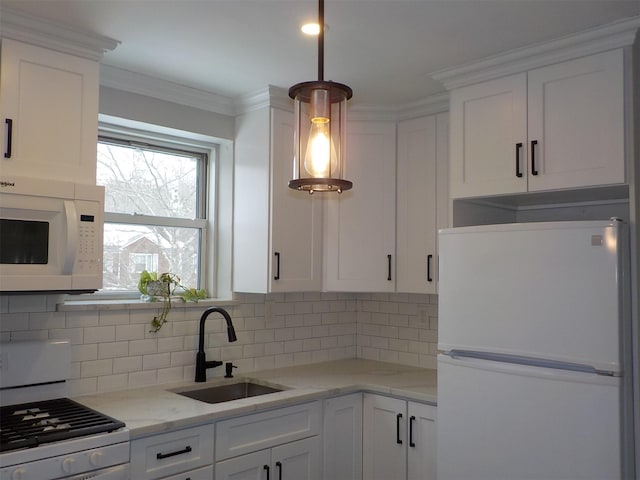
(277, 230)
(252, 466)
(360, 223)
(342, 437)
(576, 123)
(421, 454)
(296, 225)
(51, 99)
(205, 473)
(416, 206)
(489, 137)
(297, 460)
(384, 438)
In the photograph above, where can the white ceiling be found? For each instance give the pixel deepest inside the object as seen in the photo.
(384, 49)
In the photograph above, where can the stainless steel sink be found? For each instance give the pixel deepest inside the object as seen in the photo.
(226, 393)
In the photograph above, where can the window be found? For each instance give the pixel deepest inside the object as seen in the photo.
(155, 211)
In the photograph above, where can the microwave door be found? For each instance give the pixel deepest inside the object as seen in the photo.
(35, 252)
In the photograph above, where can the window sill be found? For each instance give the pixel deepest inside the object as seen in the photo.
(134, 304)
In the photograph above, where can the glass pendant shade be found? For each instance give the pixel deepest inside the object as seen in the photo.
(320, 119)
(320, 110)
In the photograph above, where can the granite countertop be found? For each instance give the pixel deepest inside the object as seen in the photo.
(154, 409)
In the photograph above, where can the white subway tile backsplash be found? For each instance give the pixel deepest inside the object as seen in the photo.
(27, 303)
(127, 364)
(141, 378)
(94, 368)
(181, 358)
(83, 386)
(74, 335)
(156, 360)
(130, 332)
(168, 375)
(11, 322)
(81, 353)
(99, 334)
(81, 319)
(142, 347)
(115, 348)
(112, 382)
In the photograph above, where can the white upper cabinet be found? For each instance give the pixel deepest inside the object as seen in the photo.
(488, 122)
(277, 230)
(576, 118)
(554, 127)
(422, 200)
(49, 112)
(360, 223)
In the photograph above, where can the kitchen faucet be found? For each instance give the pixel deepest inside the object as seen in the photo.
(201, 361)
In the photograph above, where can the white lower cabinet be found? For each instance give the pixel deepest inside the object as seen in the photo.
(282, 444)
(179, 454)
(298, 460)
(398, 439)
(204, 473)
(342, 438)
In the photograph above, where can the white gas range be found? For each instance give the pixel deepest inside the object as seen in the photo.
(43, 434)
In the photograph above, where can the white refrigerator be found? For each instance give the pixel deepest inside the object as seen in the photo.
(534, 331)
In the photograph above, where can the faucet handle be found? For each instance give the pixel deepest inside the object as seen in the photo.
(228, 368)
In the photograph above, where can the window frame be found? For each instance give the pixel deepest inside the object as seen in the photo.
(156, 137)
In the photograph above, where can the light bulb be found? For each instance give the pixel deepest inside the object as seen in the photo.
(320, 158)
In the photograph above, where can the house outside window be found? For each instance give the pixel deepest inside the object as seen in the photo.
(155, 210)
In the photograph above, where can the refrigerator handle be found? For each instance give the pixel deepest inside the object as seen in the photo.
(398, 420)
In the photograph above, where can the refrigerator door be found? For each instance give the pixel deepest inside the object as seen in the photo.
(540, 290)
(513, 422)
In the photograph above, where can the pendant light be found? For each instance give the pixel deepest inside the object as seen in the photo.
(320, 110)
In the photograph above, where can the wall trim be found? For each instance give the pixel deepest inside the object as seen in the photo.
(54, 36)
(133, 82)
(614, 35)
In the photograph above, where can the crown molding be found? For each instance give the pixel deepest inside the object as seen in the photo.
(146, 85)
(27, 28)
(613, 35)
(271, 96)
(431, 105)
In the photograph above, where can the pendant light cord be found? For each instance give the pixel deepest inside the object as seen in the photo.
(321, 40)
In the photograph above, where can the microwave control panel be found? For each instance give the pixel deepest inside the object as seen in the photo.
(89, 253)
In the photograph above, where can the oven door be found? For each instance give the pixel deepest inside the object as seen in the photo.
(119, 472)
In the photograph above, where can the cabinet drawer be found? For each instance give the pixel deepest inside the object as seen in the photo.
(250, 433)
(172, 452)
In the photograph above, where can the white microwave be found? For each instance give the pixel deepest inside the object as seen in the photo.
(51, 236)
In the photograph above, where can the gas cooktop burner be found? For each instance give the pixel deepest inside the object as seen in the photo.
(32, 424)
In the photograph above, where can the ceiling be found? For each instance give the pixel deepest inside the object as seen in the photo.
(384, 49)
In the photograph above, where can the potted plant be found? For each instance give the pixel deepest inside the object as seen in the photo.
(153, 287)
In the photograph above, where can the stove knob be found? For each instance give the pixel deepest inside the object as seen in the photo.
(18, 474)
(96, 459)
(68, 464)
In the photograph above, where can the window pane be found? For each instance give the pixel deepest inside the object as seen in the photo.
(130, 249)
(148, 182)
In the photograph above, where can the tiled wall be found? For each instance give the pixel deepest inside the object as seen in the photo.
(113, 348)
